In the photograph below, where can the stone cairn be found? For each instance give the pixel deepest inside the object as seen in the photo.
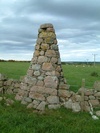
(44, 85)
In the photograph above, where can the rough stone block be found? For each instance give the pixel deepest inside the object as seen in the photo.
(88, 92)
(40, 83)
(64, 93)
(41, 106)
(49, 40)
(76, 107)
(30, 105)
(63, 86)
(50, 29)
(47, 67)
(54, 60)
(91, 97)
(43, 90)
(50, 53)
(44, 47)
(51, 82)
(35, 103)
(37, 96)
(36, 53)
(9, 82)
(53, 99)
(28, 99)
(94, 102)
(36, 73)
(98, 113)
(42, 59)
(30, 80)
(97, 94)
(68, 104)
(53, 106)
(3, 77)
(36, 67)
(39, 41)
(47, 25)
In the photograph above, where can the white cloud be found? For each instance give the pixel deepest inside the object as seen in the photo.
(77, 26)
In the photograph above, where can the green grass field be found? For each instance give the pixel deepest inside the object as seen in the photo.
(73, 74)
(18, 119)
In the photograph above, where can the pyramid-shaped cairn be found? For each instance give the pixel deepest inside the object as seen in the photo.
(44, 84)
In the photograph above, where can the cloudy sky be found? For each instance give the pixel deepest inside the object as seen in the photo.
(76, 22)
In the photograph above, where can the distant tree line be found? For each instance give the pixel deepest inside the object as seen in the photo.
(79, 63)
(1, 60)
(63, 63)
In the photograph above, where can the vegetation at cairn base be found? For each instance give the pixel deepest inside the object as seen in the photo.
(17, 119)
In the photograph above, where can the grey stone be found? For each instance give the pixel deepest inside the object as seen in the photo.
(91, 97)
(35, 103)
(86, 98)
(88, 92)
(30, 80)
(27, 99)
(2, 77)
(36, 96)
(54, 60)
(37, 47)
(59, 61)
(54, 47)
(78, 98)
(42, 59)
(36, 67)
(81, 90)
(76, 107)
(50, 53)
(98, 113)
(30, 105)
(40, 83)
(39, 41)
(50, 30)
(34, 60)
(68, 104)
(23, 102)
(18, 97)
(97, 94)
(36, 73)
(63, 86)
(40, 77)
(51, 82)
(94, 102)
(47, 66)
(41, 106)
(53, 106)
(43, 90)
(46, 26)
(53, 99)
(64, 93)
(41, 53)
